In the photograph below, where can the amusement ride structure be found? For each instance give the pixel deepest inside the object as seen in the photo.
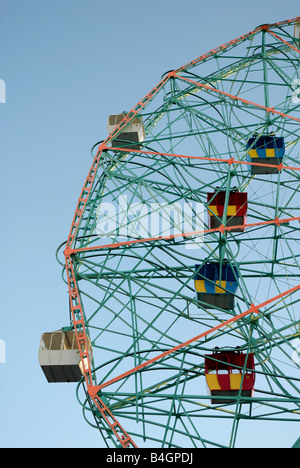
(183, 257)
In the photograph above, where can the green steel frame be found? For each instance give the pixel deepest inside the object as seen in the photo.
(132, 289)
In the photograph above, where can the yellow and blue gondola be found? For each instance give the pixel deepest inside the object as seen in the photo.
(216, 284)
(267, 150)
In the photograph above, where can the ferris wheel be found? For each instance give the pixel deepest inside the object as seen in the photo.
(183, 257)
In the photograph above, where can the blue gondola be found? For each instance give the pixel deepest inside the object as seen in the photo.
(216, 285)
(265, 149)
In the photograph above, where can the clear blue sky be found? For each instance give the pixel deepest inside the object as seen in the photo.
(67, 65)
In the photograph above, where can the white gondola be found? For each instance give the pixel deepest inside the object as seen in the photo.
(131, 136)
(59, 356)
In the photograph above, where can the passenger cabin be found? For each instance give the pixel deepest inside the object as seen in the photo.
(236, 212)
(59, 356)
(267, 150)
(229, 373)
(215, 285)
(131, 136)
